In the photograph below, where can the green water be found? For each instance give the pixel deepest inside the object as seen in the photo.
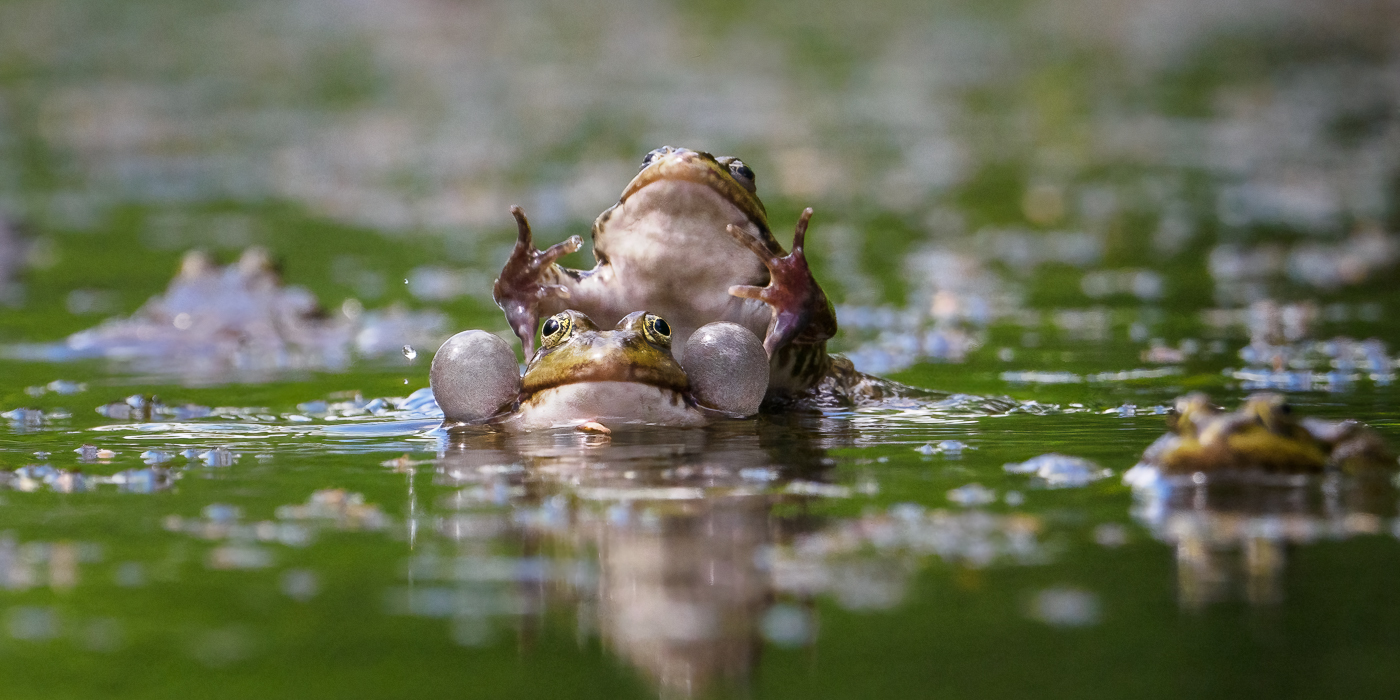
(1090, 208)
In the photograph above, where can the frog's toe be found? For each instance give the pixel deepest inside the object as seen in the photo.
(474, 377)
(727, 368)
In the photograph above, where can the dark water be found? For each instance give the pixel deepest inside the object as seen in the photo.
(1080, 210)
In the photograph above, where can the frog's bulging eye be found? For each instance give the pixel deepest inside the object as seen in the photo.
(555, 330)
(654, 154)
(657, 329)
(742, 174)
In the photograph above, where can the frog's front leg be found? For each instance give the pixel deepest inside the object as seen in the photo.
(530, 280)
(801, 312)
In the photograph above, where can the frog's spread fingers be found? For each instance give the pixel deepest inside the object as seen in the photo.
(521, 289)
(523, 237)
(747, 291)
(559, 250)
(526, 255)
(801, 312)
(799, 236)
(752, 244)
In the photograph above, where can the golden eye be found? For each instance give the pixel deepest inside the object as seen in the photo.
(657, 329)
(555, 329)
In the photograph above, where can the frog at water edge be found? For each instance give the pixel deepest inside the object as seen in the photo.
(1263, 435)
(689, 239)
(217, 321)
(592, 378)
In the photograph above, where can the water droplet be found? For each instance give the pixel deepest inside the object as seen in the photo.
(409, 352)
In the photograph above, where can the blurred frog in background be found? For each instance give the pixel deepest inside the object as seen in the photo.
(1263, 434)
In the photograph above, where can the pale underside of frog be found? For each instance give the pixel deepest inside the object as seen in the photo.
(1263, 436)
(222, 315)
(583, 376)
(689, 240)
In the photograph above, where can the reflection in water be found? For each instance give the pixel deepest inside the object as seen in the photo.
(680, 598)
(1232, 535)
(292, 525)
(683, 550)
(30, 564)
(35, 477)
(657, 538)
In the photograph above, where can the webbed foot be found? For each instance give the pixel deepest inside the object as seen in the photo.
(523, 285)
(801, 311)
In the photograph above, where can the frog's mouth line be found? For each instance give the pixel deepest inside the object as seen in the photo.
(677, 393)
(609, 372)
(693, 167)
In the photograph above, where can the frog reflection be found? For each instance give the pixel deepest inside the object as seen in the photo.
(1233, 538)
(677, 518)
(686, 551)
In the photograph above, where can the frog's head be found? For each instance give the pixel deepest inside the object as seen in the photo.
(667, 172)
(574, 350)
(1272, 411)
(582, 372)
(1190, 414)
